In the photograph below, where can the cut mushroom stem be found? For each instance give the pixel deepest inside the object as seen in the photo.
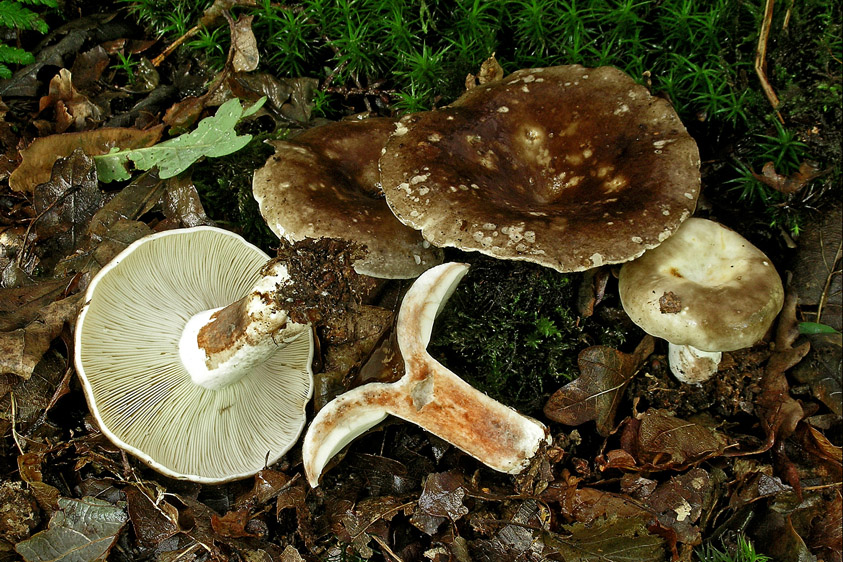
(691, 365)
(428, 395)
(221, 345)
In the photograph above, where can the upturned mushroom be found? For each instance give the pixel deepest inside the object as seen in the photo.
(705, 290)
(428, 395)
(324, 184)
(188, 362)
(568, 167)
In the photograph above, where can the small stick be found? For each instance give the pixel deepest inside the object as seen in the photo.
(176, 44)
(761, 58)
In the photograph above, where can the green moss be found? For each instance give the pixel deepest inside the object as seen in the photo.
(511, 329)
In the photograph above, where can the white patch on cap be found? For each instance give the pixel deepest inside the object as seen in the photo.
(503, 109)
(400, 129)
(596, 260)
(623, 108)
(637, 239)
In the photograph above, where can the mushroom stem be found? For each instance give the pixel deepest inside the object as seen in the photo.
(221, 345)
(428, 395)
(691, 365)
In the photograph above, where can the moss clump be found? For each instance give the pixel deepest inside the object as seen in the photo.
(512, 330)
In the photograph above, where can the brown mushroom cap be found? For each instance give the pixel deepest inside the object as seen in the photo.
(324, 184)
(569, 167)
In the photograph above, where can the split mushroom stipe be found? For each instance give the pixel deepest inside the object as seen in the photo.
(324, 183)
(201, 413)
(568, 167)
(705, 290)
(428, 395)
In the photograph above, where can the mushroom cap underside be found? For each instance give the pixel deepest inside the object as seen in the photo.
(705, 286)
(324, 184)
(139, 391)
(566, 166)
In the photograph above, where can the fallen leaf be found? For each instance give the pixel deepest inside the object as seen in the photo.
(656, 439)
(153, 518)
(214, 136)
(679, 503)
(440, 500)
(81, 531)
(791, 183)
(72, 109)
(65, 205)
(822, 369)
(88, 67)
(817, 259)
(243, 43)
(19, 305)
(826, 538)
(38, 158)
(612, 539)
(232, 524)
(596, 393)
(21, 350)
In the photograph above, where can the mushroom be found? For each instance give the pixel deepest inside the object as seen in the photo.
(706, 290)
(324, 184)
(186, 360)
(428, 395)
(568, 167)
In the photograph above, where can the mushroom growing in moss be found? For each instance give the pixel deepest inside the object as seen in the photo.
(428, 395)
(705, 290)
(324, 184)
(568, 167)
(186, 359)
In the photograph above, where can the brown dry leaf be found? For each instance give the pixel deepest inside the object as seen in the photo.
(490, 71)
(822, 369)
(29, 468)
(39, 157)
(65, 205)
(232, 524)
(245, 56)
(778, 411)
(153, 519)
(826, 538)
(613, 538)
(19, 305)
(792, 183)
(182, 205)
(816, 268)
(88, 66)
(370, 517)
(679, 503)
(595, 395)
(657, 439)
(22, 349)
(440, 500)
(72, 109)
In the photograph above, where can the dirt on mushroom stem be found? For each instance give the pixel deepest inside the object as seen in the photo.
(325, 286)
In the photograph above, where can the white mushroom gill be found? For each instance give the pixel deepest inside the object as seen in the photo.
(138, 387)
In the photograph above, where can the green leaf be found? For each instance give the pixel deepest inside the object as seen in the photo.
(213, 137)
(815, 328)
(81, 531)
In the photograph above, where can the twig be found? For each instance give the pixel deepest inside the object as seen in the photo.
(176, 44)
(15, 435)
(761, 58)
(831, 274)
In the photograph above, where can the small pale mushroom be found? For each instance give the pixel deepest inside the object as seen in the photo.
(187, 361)
(705, 290)
(568, 167)
(324, 184)
(428, 395)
